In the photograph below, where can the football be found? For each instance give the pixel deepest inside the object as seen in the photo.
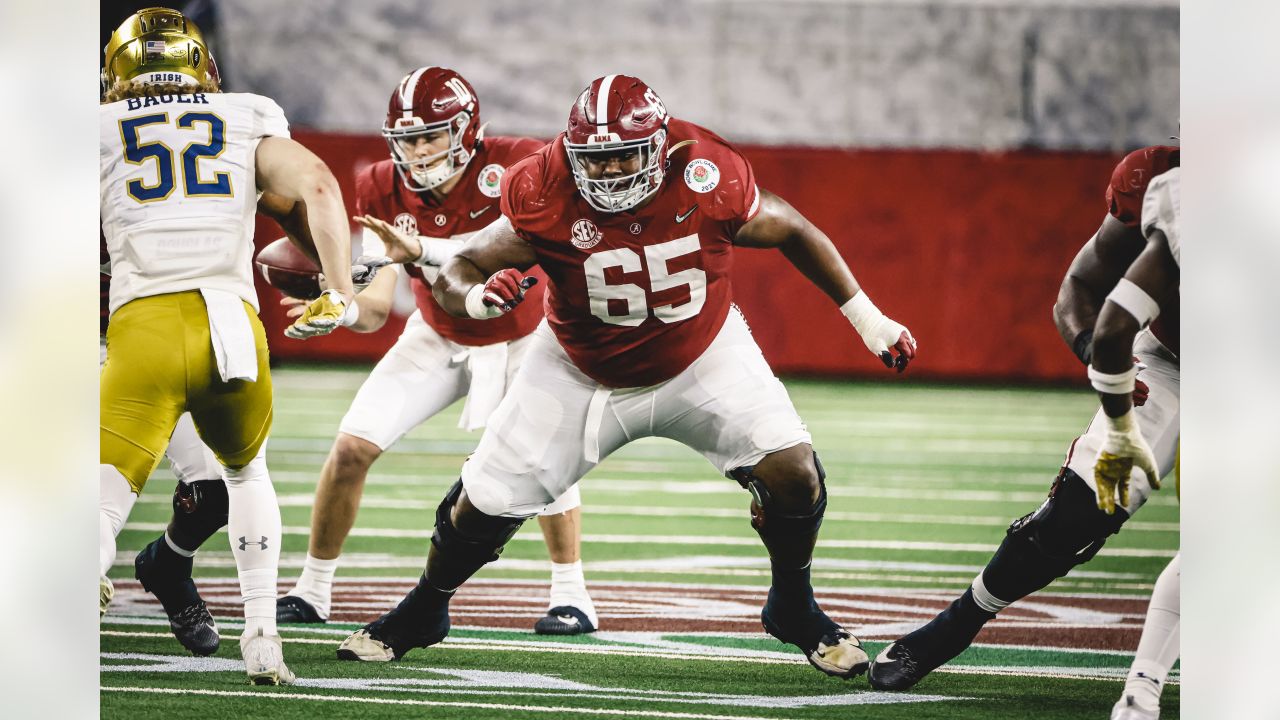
(288, 270)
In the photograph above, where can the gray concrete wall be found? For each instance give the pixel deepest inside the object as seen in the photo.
(1076, 74)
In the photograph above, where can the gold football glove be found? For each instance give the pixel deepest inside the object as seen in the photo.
(1123, 449)
(324, 315)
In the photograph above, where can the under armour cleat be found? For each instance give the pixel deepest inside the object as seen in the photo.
(167, 576)
(195, 629)
(828, 647)
(564, 620)
(405, 627)
(106, 591)
(264, 660)
(293, 609)
(1129, 709)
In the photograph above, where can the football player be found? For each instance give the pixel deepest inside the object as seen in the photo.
(439, 187)
(634, 216)
(182, 165)
(1070, 527)
(1129, 308)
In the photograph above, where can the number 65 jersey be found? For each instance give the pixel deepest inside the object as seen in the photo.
(635, 297)
(179, 193)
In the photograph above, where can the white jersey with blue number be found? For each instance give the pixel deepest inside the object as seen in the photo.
(179, 193)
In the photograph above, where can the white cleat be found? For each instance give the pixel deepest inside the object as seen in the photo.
(1127, 708)
(363, 647)
(264, 660)
(106, 591)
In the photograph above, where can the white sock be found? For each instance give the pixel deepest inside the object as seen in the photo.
(253, 525)
(315, 584)
(568, 587)
(1158, 648)
(115, 501)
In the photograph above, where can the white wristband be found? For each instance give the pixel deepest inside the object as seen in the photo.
(350, 315)
(1121, 383)
(476, 306)
(1135, 301)
(861, 312)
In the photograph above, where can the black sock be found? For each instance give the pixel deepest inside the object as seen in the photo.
(167, 576)
(948, 634)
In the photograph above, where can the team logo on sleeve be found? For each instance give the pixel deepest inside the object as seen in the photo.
(701, 175)
(585, 235)
(490, 180)
(406, 224)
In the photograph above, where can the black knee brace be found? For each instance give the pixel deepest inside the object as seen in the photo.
(789, 536)
(199, 511)
(459, 555)
(1066, 531)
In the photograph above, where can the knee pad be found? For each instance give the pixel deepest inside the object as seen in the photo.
(1068, 528)
(464, 553)
(199, 511)
(768, 519)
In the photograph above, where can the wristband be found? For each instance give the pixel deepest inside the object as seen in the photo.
(476, 307)
(1120, 383)
(1082, 346)
(1135, 301)
(861, 312)
(350, 315)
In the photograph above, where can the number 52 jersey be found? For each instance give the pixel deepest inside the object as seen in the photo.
(179, 191)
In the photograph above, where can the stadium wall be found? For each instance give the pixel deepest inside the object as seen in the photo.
(965, 247)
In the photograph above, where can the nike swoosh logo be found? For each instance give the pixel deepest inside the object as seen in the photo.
(682, 217)
(568, 619)
(883, 657)
(480, 212)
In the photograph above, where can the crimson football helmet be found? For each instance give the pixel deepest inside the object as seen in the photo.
(430, 100)
(617, 113)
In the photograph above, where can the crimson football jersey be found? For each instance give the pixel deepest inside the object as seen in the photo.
(1128, 186)
(468, 208)
(635, 297)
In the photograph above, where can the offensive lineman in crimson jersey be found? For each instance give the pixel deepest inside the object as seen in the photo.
(633, 216)
(440, 186)
(1080, 513)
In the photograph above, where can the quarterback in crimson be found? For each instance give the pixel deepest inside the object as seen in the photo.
(633, 216)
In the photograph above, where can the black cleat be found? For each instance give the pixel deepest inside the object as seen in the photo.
(564, 620)
(908, 660)
(167, 575)
(896, 668)
(407, 626)
(293, 609)
(828, 647)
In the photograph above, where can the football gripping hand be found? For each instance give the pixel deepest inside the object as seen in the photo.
(500, 294)
(1123, 450)
(879, 333)
(323, 315)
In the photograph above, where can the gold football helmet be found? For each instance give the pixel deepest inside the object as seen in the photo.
(158, 46)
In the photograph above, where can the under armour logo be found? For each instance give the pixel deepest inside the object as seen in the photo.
(245, 543)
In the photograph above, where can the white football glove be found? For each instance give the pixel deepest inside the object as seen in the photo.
(1123, 450)
(366, 268)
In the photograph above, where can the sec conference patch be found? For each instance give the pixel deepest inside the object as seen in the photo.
(701, 175)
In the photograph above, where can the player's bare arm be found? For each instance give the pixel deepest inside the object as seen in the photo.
(1093, 273)
(1128, 309)
(778, 225)
(291, 216)
(484, 279)
(292, 171)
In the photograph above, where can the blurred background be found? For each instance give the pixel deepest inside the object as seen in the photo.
(956, 151)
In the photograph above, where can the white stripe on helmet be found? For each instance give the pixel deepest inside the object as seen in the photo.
(602, 104)
(406, 90)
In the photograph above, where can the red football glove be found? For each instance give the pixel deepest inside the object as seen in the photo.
(505, 289)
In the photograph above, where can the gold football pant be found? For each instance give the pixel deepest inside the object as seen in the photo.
(160, 363)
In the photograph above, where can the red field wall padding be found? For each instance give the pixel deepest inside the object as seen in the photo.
(965, 248)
